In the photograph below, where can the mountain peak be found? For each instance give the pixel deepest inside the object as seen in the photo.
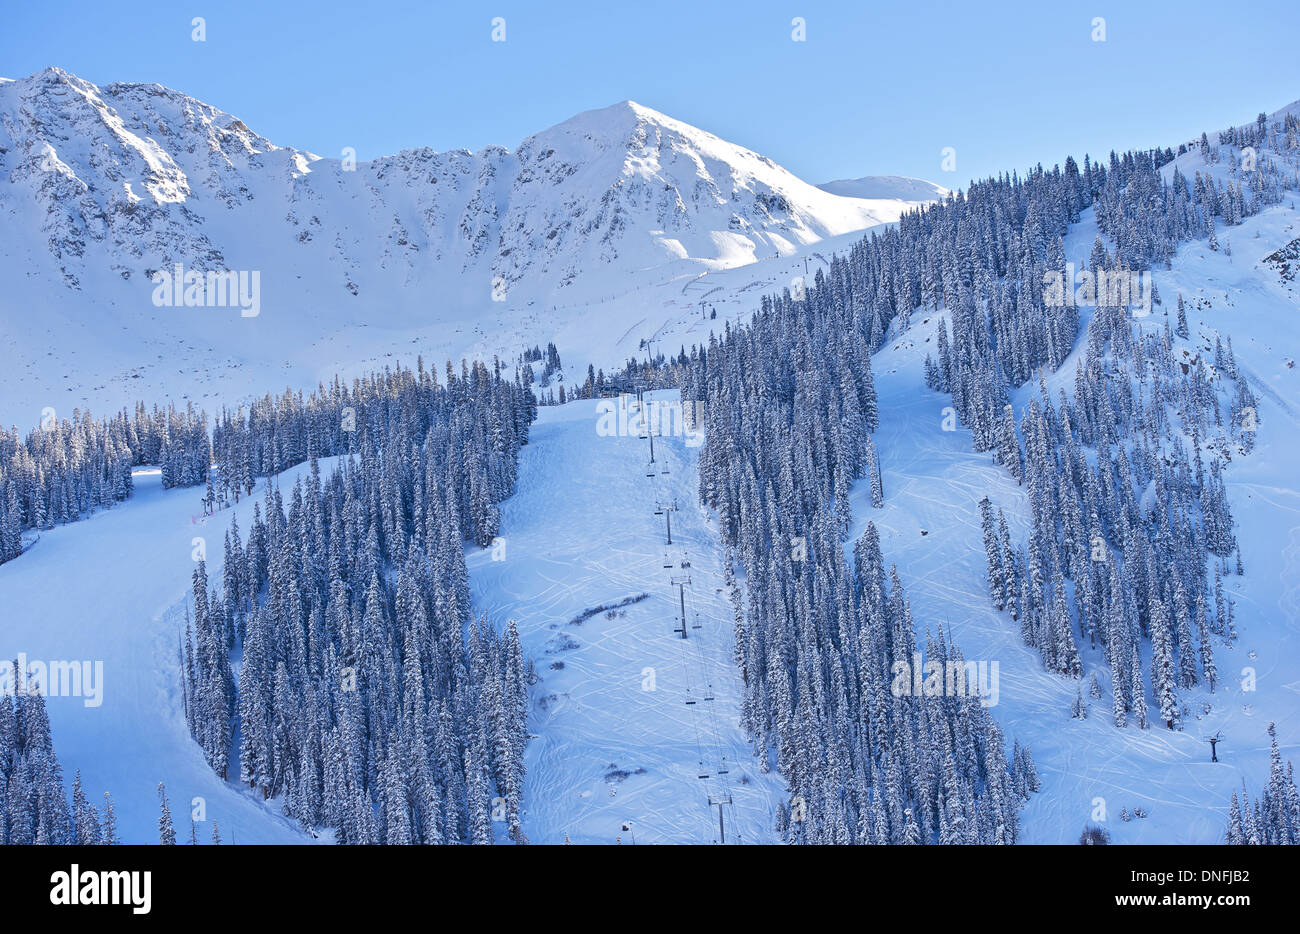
(51, 72)
(51, 77)
(615, 120)
(105, 185)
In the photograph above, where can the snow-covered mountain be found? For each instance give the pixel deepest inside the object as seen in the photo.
(487, 251)
(608, 753)
(612, 226)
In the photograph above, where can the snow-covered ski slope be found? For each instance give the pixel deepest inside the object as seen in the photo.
(622, 721)
(933, 482)
(581, 531)
(111, 589)
(615, 742)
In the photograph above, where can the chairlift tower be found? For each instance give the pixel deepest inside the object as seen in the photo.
(1214, 742)
(722, 830)
(666, 510)
(681, 583)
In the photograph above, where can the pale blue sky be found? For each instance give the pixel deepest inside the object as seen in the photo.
(874, 89)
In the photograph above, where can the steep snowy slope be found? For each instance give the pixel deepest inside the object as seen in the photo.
(933, 482)
(632, 724)
(110, 590)
(346, 262)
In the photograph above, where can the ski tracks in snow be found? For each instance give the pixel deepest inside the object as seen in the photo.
(1090, 769)
(617, 752)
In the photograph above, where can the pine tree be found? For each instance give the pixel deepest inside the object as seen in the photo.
(108, 834)
(85, 819)
(877, 487)
(166, 832)
(1162, 664)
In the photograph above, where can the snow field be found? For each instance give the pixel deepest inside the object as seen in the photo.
(614, 740)
(933, 480)
(111, 588)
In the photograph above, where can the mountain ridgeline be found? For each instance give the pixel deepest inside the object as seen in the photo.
(137, 177)
(336, 666)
